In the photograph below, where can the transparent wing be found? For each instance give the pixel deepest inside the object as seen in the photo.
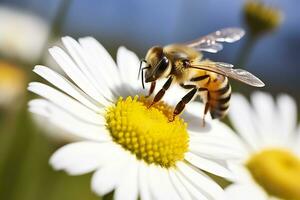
(211, 42)
(237, 74)
(209, 46)
(228, 35)
(222, 64)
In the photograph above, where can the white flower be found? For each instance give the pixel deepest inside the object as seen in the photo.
(133, 149)
(23, 35)
(270, 168)
(49, 60)
(13, 82)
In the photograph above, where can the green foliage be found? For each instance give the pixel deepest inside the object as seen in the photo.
(24, 170)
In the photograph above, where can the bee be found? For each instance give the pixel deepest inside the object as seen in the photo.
(184, 64)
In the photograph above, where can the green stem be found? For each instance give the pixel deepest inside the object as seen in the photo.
(246, 50)
(59, 19)
(57, 24)
(15, 147)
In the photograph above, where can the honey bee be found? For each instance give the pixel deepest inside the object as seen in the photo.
(184, 64)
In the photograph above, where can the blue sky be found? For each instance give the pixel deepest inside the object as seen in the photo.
(140, 24)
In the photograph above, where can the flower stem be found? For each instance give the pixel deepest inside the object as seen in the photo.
(246, 50)
(56, 25)
(59, 19)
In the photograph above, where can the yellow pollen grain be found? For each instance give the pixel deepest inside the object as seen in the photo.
(278, 172)
(147, 132)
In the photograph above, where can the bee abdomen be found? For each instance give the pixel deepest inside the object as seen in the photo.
(219, 112)
(219, 102)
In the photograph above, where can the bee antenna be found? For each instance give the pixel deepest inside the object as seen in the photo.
(141, 63)
(141, 69)
(143, 76)
(143, 84)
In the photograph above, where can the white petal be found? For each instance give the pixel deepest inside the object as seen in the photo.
(159, 183)
(166, 186)
(66, 102)
(246, 192)
(241, 173)
(81, 157)
(296, 146)
(128, 64)
(102, 61)
(193, 115)
(241, 116)
(62, 119)
(194, 192)
(217, 133)
(154, 179)
(208, 165)
(287, 112)
(69, 67)
(195, 110)
(127, 187)
(182, 191)
(201, 181)
(37, 106)
(144, 189)
(214, 151)
(173, 95)
(107, 178)
(62, 83)
(266, 118)
(82, 60)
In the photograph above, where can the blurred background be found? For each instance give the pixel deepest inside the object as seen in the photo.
(269, 50)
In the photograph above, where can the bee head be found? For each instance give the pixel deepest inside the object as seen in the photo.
(158, 64)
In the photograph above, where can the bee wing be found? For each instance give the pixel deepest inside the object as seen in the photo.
(222, 64)
(211, 42)
(227, 70)
(210, 46)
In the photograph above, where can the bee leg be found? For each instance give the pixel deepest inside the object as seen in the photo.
(205, 112)
(152, 87)
(187, 86)
(162, 91)
(180, 106)
(206, 108)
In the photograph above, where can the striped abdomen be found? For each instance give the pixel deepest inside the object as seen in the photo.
(219, 96)
(218, 92)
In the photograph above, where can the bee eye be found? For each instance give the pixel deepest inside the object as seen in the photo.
(163, 64)
(186, 63)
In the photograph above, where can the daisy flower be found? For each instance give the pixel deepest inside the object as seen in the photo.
(13, 82)
(23, 35)
(270, 168)
(134, 150)
(261, 18)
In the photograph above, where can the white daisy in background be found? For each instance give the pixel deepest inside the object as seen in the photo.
(22, 34)
(133, 150)
(271, 167)
(13, 82)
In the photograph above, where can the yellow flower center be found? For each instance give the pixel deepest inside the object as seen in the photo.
(278, 172)
(261, 18)
(11, 76)
(147, 132)
(12, 83)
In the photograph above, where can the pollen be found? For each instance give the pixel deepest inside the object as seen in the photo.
(147, 132)
(278, 172)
